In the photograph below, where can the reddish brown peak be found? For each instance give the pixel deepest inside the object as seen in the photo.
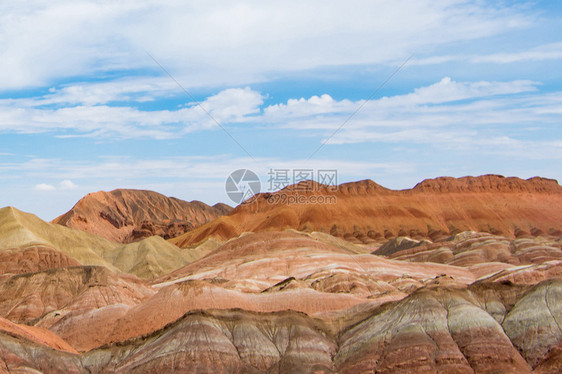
(362, 186)
(359, 187)
(126, 215)
(483, 183)
(302, 186)
(488, 183)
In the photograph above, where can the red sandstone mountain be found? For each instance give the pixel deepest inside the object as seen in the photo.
(283, 301)
(364, 212)
(129, 215)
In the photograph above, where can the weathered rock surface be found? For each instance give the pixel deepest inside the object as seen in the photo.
(125, 216)
(235, 276)
(35, 334)
(32, 259)
(443, 327)
(71, 301)
(534, 323)
(440, 328)
(20, 355)
(266, 258)
(224, 342)
(498, 258)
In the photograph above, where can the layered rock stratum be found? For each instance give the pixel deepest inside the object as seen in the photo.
(480, 294)
(365, 212)
(126, 215)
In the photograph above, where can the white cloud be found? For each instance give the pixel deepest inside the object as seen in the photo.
(323, 104)
(444, 103)
(139, 89)
(67, 184)
(27, 116)
(233, 105)
(44, 187)
(493, 118)
(198, 168)
(188, 178)
(551, 51)
(448, 90)
(229, 42)
(447, 112)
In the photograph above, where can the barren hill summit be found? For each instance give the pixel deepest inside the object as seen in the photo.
(126, 215)
(489, 183)
(365, 211)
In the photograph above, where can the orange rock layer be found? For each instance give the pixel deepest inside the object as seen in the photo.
(364, 212)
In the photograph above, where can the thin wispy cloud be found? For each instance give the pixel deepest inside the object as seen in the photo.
(44, 187)
(64, 185)
(551, 51)
(195, 168)
(222, 41)
(26, 116)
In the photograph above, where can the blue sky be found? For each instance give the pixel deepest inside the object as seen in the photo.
(83, 106)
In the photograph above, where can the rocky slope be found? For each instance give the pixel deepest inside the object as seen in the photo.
(364, 212)
(470, 248)
(299, 273)
(442, 327)
(126, 216)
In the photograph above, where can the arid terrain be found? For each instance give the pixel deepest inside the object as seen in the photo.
(452, 276)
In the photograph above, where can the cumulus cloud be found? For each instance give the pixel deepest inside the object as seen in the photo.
(67, 184)
(234, 104)
(446, 102)
(323, 104)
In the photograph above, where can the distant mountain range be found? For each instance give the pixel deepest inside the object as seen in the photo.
(365, 212)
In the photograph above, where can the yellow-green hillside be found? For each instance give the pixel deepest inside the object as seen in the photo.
(148, 258)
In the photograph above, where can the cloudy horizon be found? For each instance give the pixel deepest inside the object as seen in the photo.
(172, 96)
